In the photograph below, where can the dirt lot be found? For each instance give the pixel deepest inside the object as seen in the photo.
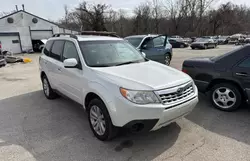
(34, 128)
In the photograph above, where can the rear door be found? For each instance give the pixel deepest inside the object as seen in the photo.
(242, 73)
(155, 48)
(55, 62)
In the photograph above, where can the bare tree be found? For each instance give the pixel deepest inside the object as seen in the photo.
(142, 17)
(156, 14)
(91, 16)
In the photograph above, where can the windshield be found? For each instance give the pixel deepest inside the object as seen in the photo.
(202, 40)
(109, 53)
(134, 41)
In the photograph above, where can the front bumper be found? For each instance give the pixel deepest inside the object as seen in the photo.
(124, 113)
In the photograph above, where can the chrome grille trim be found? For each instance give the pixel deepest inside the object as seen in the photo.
(172, 96)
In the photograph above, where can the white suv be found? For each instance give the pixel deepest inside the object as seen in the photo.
(115, 83)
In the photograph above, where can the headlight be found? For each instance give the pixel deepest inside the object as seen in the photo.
(139, 97)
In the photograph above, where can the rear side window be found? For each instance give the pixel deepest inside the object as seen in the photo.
(245, 63)
(57, 49)
(47, 48)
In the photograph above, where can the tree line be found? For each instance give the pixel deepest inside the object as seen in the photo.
(173, 17)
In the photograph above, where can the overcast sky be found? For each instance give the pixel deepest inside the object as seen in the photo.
(53, 9)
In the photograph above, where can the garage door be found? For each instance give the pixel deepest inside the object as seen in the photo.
(39, 35)
(11, 43)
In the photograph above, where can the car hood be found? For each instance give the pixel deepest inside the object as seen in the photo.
(143, 76)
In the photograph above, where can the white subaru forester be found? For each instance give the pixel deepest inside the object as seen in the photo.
(115, 83)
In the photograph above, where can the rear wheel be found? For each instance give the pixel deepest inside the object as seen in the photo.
(100, 121)
(226, 97)
(47, 90)
(167, 59)
(193, 48)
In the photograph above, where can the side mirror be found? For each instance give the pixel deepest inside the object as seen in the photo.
(143, 54)
(70, 63)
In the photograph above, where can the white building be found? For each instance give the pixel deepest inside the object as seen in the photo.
(19, 29)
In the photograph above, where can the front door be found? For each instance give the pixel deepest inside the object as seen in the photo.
(242, 73)
(155, 48)
(71, 78)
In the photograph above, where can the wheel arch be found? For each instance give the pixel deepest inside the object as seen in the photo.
(90, 96)
(221, 80)
(42, 74)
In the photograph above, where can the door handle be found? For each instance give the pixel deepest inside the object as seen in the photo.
(242, 74)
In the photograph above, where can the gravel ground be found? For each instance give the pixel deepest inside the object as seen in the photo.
(33, 128)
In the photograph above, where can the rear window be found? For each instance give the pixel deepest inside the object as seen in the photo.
(47, 48)
(57, 49)
(134, 41)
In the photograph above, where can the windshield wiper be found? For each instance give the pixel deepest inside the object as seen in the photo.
(125, 63)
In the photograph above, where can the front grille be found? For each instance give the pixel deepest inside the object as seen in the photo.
(180, 94)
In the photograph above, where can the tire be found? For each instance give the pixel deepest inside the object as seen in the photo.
(205, 47)
(228, 99)
(101, 119)
(182, 46)
(167, 59)
(47, 90)
(192, 48)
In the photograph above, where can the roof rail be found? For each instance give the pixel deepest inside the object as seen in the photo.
(65, 34)
(99, 33)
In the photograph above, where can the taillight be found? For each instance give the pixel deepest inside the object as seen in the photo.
(0, 46)
(185, 71)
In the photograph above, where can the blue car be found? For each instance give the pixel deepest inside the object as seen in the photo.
(156, 47)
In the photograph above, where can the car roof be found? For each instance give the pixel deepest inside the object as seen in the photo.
(86, 38)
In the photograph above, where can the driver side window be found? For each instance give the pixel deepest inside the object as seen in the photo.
(158, 42)
(70, 51)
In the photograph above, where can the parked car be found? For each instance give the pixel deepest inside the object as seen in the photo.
(115, 84)
(222, 40)
(203, 43)
(156, 47)
(226, 78)
(237, 39)
(187, 40)
(178, 44)
(42, 45)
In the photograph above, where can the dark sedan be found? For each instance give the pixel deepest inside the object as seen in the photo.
(226, 78)
(203, 43)
(178, 44)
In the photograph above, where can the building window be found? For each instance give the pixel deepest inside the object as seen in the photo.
(15, 41)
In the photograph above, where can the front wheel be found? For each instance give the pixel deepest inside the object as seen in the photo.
(100, 121)
(225, 97)
(167, 59)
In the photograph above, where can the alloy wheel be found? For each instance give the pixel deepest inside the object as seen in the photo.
(97, 120)
(224, 97)
(46, 87)
(167, 60)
